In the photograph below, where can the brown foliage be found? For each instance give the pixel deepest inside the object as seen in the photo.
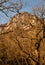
(22, 37)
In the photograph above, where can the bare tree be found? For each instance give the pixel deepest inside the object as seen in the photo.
(39, 11)
(2, 7)
(14, 6)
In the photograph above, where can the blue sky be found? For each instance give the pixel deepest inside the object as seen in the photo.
(29, 4)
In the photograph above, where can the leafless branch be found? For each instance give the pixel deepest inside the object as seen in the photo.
(12, 7)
